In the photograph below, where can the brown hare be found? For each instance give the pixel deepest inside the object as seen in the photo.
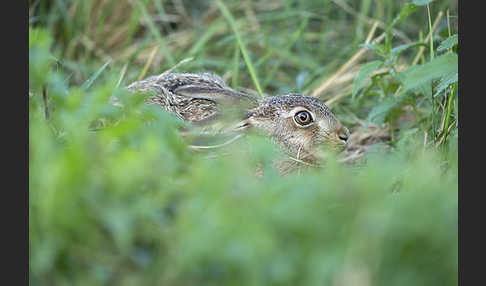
(302, 125)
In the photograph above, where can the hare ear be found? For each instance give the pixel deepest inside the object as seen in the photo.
(245, 124)
(215, 94)
(242, 125)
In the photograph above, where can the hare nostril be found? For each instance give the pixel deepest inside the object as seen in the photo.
(343, 134)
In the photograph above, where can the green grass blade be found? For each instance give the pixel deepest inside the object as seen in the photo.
(236, 65)
(232, 23)
(156, 33)
(431, 34)
(204, 39)
(90, 80)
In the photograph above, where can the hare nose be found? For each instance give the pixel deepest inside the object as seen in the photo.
(343, 137)
(343, 134)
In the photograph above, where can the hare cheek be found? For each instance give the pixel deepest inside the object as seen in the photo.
(305, 138)
(324, 126)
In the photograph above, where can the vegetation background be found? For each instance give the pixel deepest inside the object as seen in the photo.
(117, 197)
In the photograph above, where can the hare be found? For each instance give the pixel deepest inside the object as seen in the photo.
(300, 124)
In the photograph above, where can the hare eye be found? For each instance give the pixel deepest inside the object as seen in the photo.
(303, 118)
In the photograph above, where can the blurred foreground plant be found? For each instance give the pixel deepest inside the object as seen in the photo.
(115, 197)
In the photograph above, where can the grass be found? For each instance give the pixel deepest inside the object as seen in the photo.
(118, 196)
(241, 45)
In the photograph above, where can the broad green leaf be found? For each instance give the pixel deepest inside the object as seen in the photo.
(379, 113)
(448, 43)
(364, 73)
(425, 89)
(398, 49)
(445, 82)
(418, 77)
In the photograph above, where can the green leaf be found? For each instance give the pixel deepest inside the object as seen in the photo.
(448, 43)
(364, 73)
(377, 48)
(399, 49)
(406, 11)
(445, 81)
(421, 76)
(422, 2)
(379, 113)
(40, 58)
(39, 37)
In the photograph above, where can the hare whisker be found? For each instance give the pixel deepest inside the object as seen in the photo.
(303, 162)
(298, 151)
(219, 145)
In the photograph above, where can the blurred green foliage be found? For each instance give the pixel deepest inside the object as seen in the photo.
(117, 198)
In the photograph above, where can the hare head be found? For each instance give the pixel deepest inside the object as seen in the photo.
(300, 124)
(303, 124)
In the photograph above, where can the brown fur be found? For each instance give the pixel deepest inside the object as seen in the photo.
(200, 98)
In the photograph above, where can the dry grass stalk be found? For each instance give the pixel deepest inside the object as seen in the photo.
(325, 85)
(371, 33)
(116, 40)
(337, 85)
(342, 92)
(111, 35)
(93, 47)
(149, 62)
(175, 41)
(122, 74)
(174, 67)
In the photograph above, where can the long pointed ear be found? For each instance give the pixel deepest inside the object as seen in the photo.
(242, 125)
(216, 94)
(247, 123)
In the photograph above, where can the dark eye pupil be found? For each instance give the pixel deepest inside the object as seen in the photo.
(303, 116)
